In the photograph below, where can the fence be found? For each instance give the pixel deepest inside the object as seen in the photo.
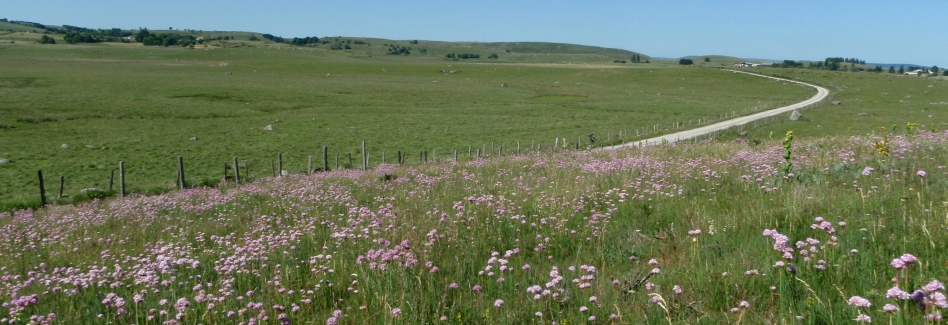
(232, 169)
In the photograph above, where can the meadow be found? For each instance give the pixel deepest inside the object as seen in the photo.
(839, 230)
(867, 101)
(77, 110)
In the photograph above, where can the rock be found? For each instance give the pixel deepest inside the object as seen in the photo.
(268, 127)
(328, 75)
(863, 114)
(93, 189)
(796, 116)
(836, 102)
(194, 138)
(744, 133)
(503, 85)
(90, 146)
(284, 172)
(64, 146)
(4, 161)
(228, 73)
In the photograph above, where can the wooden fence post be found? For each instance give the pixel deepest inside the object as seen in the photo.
(280, 162)
(383, 157)
(111, 179)
(469, 148)
(455, 154)
(309, 166)
(518, 148)
(399, 157)
(42, 187)
(350, 160)
(236, 172)
(272, 168)
(181, 172)
(325, 158)
(62, 185)
(365, 157)
(122, 177)
(337, 161)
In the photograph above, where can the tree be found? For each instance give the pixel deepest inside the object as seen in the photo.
(935, 69)
(891, 69)
(707, 59)
(493, 56)
(253, 38)
(47, 40)
(944, 72)
(686, 62)
(902, 69)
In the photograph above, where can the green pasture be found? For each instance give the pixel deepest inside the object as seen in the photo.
(142, 105)
(867, 102)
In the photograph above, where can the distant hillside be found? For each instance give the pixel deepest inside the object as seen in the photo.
(533, 52)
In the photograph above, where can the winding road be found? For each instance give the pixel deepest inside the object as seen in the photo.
(821, 94)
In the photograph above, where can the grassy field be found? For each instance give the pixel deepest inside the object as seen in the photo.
(708, 233)
(867, 102)
(142, 105)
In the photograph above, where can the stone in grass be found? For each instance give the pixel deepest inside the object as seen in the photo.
(64, 146)
(4, 161)
(796, 116)
(268, 127)
(744, 134)
(836, 102)
(194, 138)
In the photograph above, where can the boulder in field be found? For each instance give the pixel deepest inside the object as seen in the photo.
(796, 115)
(268, 127)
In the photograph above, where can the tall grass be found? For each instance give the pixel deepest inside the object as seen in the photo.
(683, 233)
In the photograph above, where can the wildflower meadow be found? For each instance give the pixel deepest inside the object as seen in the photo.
(818, 231)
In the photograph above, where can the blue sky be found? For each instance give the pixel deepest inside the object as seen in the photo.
(875, 31)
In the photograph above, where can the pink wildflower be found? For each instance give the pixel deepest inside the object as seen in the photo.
(859, 302)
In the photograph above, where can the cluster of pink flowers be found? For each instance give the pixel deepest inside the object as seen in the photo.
(903, 261)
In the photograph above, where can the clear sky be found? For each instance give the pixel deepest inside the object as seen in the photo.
(872, 30)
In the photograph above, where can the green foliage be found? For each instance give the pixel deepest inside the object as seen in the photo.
(47, 40)
(304, 41)
(789, 64)
(273, 38)
(493, 56)
(901, 69)
(398, 50)
(934, 69)
(253, 38)
(707, 59)
(686, 62)
(891, 69)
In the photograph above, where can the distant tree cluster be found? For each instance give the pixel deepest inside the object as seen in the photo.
(47, 40)
(495, 57)
(75, 35)
(273, 38)
(789, 64)
(686, 62)
(846, 60)
(707, 59)
(304, 41)
(398, 50)
(462, 56)
(164, 39)
(636, 58)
